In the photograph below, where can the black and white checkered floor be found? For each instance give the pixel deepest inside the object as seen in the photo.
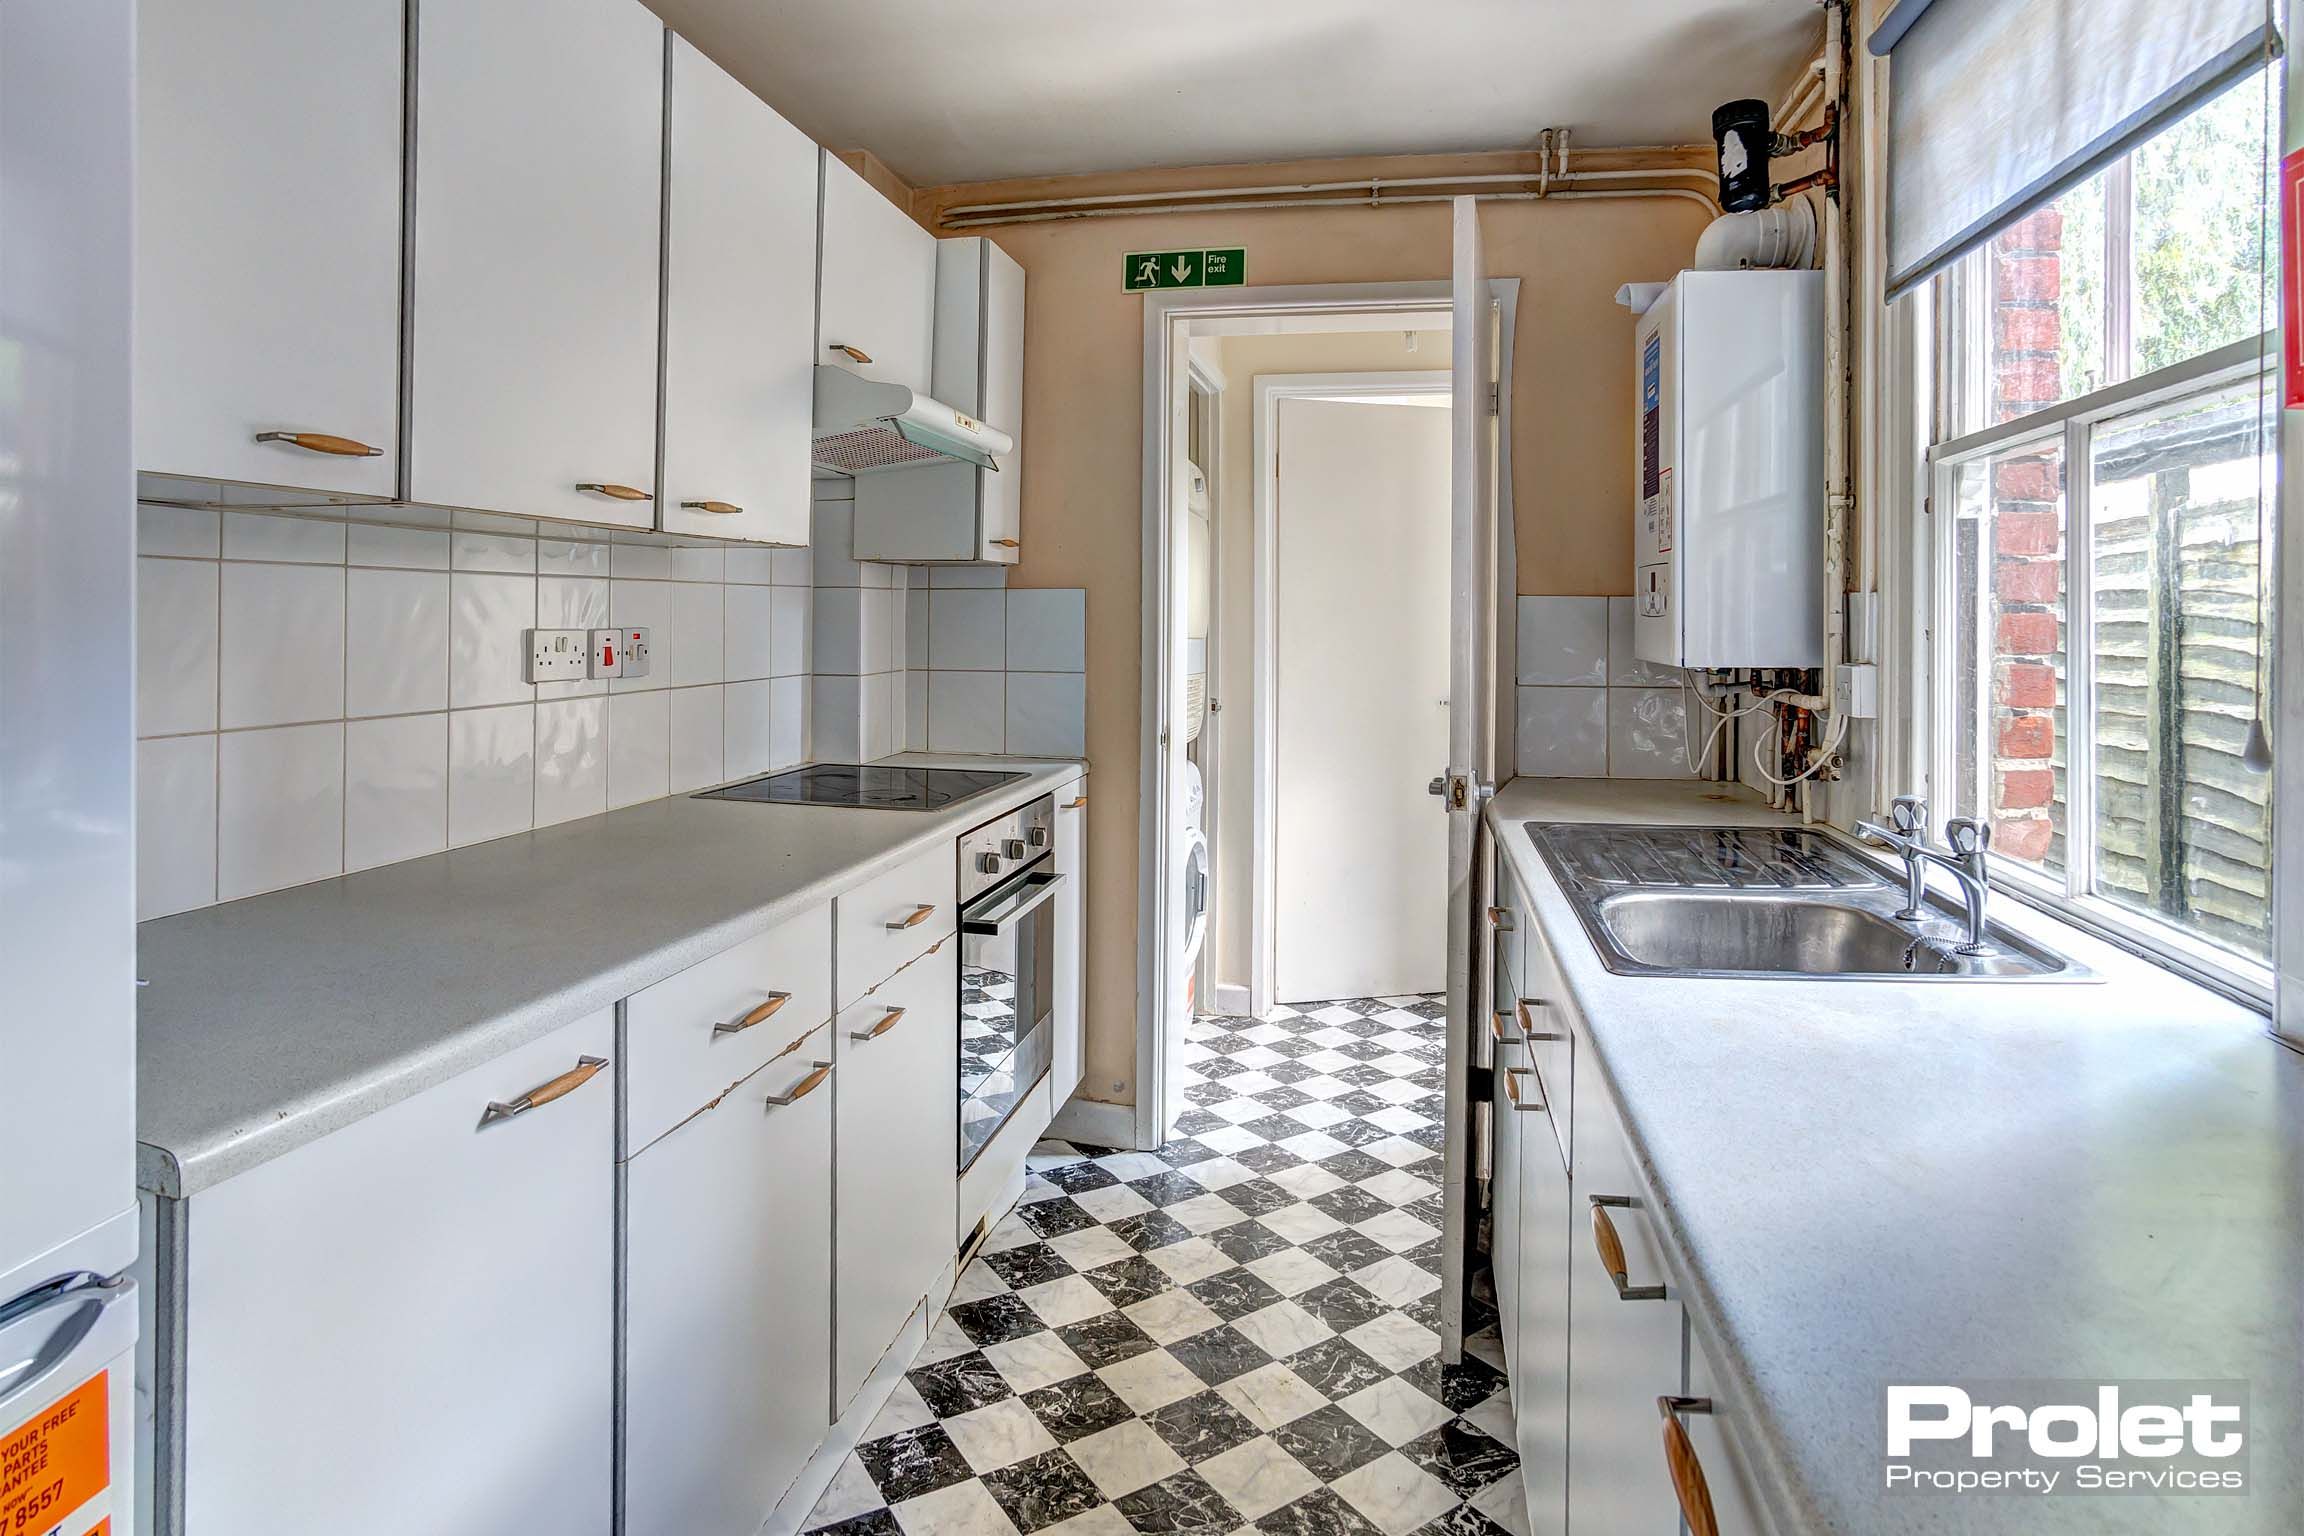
(1237, 1333)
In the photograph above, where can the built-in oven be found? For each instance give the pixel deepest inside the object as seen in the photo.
(1008, 884)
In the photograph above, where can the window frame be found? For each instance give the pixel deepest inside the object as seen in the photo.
(2072, 421)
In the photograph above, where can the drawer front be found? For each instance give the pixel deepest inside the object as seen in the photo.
(895, 1139)
(882, 924)
(687, 1037)
(1547, 1022)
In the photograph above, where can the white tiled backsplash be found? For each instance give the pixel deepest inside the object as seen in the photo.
(1588, 708)
(995, 670)
(858, 660)
(316, 697)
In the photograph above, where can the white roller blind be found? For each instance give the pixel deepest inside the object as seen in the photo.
(1995, 106)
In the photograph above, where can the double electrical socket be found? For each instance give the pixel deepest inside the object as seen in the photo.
(571, 655)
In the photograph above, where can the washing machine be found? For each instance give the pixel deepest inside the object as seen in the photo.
(1192, 882)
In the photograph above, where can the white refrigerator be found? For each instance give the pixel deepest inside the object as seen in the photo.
(67, 767)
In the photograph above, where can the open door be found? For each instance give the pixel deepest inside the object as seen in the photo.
(1469, 779)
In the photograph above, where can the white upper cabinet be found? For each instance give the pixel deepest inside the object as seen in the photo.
(955, 512)
(533, 341)
(877, 287)
(739, 321)
(268, 243)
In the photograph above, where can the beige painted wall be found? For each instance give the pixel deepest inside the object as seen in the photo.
(1572, 446)
(1242, 358)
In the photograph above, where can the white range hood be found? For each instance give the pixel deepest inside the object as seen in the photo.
(863, 425)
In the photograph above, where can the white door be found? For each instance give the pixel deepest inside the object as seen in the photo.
(1361, 699)
(268, 241)
(539, 185)
(728, 1303)
(878, 286)
(739, 311)
(1469, 777)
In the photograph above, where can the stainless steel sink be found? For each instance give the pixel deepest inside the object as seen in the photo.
(1764, 901)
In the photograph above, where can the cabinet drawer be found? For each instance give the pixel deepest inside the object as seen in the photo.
(893, 918)
(1546, 1021)
(686, 1038)
(896, 1131)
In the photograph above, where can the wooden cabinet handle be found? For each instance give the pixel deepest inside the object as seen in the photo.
(1611, 1249)
(919, 916)
(716, 508)
(1080, 804)
(802, 1088)
(853, 354)
(1687, 1472)
(888, 1021)
(614, 492)
(1005, 543)
(1496, 1028)
(1512, 1092)
(1500, 919)
(767, 1009)
(322, 442)
(1526, 1009)
(586, 1068)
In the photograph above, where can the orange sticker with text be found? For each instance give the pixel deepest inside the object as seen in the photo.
(56, 1461)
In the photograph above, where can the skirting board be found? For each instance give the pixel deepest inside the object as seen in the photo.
(1097, 1125)
(1228, 999)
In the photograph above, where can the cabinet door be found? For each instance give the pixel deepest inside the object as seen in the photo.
(895, 1143)
(408, 1325)
(1540, 1362)
(268, 240)
(1504, 1140)
(539, 165)
(1001, 515)
(1068, 1057)
(878, 282)
(728, 1303)
(739, 310)
(1623, 1342)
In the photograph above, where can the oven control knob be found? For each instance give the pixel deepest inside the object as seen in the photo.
(988, 863)
(1038, 837)
(1013, 847)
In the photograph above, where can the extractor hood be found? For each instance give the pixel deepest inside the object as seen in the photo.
(863, 425)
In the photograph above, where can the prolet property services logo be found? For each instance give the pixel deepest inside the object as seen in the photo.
(2045, 1437)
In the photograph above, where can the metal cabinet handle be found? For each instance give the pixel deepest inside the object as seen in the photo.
(1687, 1472)
(853, 354)
(614, 492)
(1512, 1091)
(1496, 1028)
(1500, 919)
(1525, 1008)
(888, 1021)
(716, 508)
(586, 1068)
(1611, 1248)
(802, 1088)
(322, 442)
(919, 915)
(775, 1001)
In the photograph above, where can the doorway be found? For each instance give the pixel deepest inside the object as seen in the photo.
(1351, 571)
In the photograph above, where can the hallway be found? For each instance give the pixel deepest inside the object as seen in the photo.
(1235, 1333)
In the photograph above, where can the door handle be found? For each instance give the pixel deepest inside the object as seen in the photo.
(888, 1021)
(1525, 1010)
(544, 1093)
(1512, 1092)
(1611, 1249)
(775, 1001)
(918, 915)
(853, 354)
(614, 492)
(802, 1088)
(1035, 890)
(1688, 1483)
(322, 442)
(717, 508)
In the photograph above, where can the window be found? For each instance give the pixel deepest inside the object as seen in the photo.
(2103, 482)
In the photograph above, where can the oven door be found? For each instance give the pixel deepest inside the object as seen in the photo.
(1007, 999)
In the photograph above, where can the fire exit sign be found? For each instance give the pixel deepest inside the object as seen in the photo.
(1226, 268)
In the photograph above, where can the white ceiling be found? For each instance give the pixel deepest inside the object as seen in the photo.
(979, 90)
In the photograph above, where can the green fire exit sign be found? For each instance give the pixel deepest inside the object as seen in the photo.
(1226, 268)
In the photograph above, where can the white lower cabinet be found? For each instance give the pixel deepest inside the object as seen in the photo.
(408, 1324)
(1735, 1507)
(728, 1302)
(1504, 1214)
(1540, 1309)
(895, 1143)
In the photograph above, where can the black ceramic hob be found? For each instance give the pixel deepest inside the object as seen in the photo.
(866, 787)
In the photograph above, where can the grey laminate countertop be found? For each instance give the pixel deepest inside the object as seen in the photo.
(269, 1022)
(1874, 1182)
